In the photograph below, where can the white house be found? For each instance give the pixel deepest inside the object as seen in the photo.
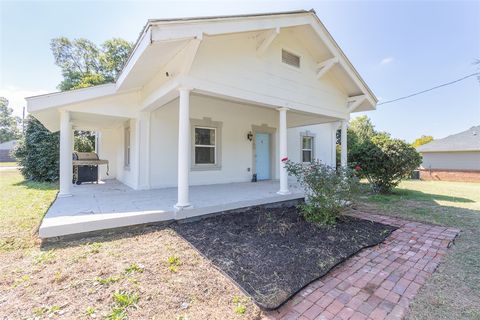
(214, 100)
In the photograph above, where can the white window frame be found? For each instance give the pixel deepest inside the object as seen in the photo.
(310, 136)
(206, 123)
(214, 146)
(127, 157)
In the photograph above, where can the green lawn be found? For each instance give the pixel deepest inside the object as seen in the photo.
(22, 206)
(8, 164)
(454, 290)
(66, 275)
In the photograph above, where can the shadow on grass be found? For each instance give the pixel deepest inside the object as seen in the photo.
(30, 184)
(408, 194)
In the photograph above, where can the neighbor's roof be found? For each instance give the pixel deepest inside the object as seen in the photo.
(464, 141)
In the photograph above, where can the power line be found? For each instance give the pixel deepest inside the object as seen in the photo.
(439, 86)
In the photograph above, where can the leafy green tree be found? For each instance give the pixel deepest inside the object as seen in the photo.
(360, 130)
(385, 161)
(84, 141)
(421, 141)
(8, 122)
(38, 152)
(84, 64)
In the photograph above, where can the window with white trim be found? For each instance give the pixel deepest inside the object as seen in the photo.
(205, 146)
(307, 149)
(127, 147)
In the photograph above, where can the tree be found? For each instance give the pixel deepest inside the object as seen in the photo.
(385, 161)
(360, 130)
(421, 141)
(84, 64)
(8, 122)
(84, 141)
(38, 152)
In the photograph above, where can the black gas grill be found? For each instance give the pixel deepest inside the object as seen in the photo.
(85, 167)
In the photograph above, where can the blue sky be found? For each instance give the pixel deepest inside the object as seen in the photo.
(398, 48)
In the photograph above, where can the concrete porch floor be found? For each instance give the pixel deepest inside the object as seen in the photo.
(112, 204)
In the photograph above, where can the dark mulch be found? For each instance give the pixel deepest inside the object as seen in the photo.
(273, 253)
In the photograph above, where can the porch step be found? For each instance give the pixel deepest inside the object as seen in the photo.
(85, 222)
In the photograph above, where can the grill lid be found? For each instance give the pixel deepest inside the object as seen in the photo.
(85, 156)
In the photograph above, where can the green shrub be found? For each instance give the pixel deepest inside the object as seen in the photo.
(327, 189)
(384, 161)
(38, 152)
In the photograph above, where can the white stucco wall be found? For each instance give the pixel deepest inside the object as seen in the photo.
(451, 160)
(109, 148)
(324, 137)
(237, 151)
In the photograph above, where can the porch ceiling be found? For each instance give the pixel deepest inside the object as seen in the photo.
(85, 121)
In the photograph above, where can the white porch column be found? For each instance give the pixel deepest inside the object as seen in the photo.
(283, 150)
(343, 157)
(66, 147)
(183, 147)
(335, 126)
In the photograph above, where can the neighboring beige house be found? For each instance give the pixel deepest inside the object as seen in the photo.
(454, 158)
(6, 150)
(210, 101)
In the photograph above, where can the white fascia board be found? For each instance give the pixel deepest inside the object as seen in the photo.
(58, 99)
(343, 60)
(238, 94)
(139, 49)
(185, 30)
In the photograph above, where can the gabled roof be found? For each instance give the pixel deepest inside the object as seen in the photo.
(468, 140)
(172, 43)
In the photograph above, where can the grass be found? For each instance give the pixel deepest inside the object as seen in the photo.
(111, 276)
(454, 290)
(8, 164)
(30, 276)
(22, 206)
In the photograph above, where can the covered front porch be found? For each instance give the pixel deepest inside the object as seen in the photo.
(111, 204)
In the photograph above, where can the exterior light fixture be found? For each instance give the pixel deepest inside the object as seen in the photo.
(250, 136)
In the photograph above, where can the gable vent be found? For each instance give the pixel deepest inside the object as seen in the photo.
(290, 59)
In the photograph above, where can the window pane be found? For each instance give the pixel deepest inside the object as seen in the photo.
(307, 143)
(307, 156)
(204, 155)
(205, 136)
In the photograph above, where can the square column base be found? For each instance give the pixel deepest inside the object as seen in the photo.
(178, 207)
(64, 195)
(284, 192)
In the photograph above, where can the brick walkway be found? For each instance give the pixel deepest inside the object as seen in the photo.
(378, 282)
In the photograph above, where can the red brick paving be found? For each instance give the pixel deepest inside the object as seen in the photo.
(378, 282)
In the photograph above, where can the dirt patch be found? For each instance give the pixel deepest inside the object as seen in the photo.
(273, 253)
(162, 275)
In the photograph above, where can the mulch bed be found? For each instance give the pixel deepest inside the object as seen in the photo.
(273, 253)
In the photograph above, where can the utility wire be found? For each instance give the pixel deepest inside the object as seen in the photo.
(420, 92)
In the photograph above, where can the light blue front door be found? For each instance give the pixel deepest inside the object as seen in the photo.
(262, 155)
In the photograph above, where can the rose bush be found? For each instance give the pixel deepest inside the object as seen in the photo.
(327, 190)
